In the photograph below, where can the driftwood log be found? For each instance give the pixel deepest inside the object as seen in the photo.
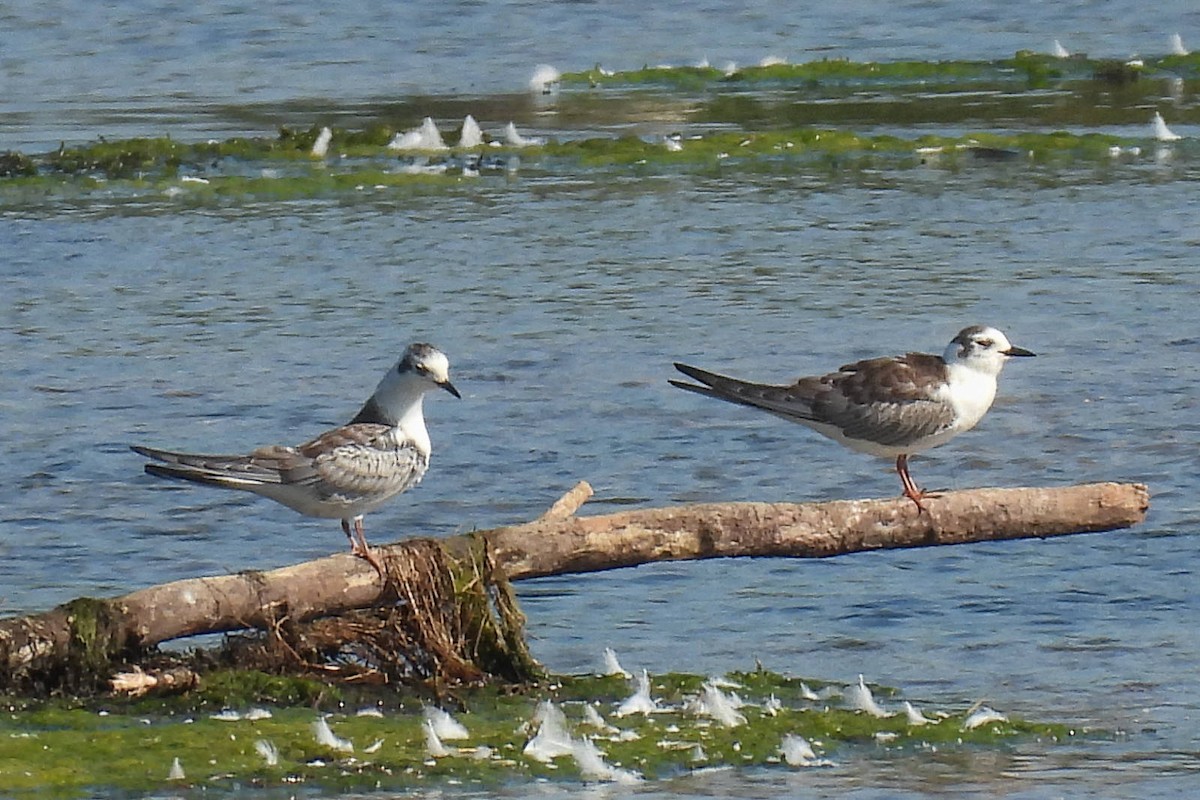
(453, 594)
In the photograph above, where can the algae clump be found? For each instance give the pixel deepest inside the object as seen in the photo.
(73, 750)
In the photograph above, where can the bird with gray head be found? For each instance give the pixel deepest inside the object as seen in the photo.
(892, 407)
(345, 472)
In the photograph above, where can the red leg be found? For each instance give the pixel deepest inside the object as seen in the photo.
(911, 490)
(363, 550)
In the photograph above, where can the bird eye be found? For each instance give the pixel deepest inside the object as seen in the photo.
(986, 343)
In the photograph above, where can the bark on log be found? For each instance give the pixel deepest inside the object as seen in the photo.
(88, 633)
(810, 530)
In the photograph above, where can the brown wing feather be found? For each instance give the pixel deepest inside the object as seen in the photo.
(882, 400)
(889, 401)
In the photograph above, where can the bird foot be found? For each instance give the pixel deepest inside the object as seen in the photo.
(368, 555)
(917, 495)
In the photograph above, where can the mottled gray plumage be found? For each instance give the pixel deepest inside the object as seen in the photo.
(890, 407)
(345, 472)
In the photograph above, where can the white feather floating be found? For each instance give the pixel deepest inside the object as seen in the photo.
(593, 767)
(914, 715)
(268, 751)
(444, 725)
(714, 703)
(640, 702)
(612, 666)
(982, 716)
(326, 738)
(1161, 131)
(425, 137)
(859, 698)
(472, 136)
(796, 751)
(552, 739)
(321, 145)
(433, 744)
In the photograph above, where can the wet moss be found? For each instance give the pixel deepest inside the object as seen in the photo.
(234, 688)
(812, 72)
(267, 173)
(491, 618)
(1025, 68)
(13, 164)
(823, 116)
(70, 750)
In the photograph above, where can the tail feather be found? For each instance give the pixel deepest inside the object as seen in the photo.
(791, 402)
(234, 472)
(199, 460)
(194, 475)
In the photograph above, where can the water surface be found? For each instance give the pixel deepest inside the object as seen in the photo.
(562, 302)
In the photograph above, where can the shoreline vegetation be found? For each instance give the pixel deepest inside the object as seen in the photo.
(243, 730)
(831, 119)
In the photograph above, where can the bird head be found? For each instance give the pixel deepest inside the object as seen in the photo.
(426, 366)
(983, 348)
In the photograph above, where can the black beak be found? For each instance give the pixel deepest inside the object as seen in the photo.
(1018, 351)
(449, 387)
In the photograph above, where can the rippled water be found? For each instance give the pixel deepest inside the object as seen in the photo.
(70, 69)
(562, 307)
(562, 304)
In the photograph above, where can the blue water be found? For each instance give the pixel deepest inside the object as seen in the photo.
(562, 302)
(74, 70)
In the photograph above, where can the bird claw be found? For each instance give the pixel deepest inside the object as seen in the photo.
(917, 497)
(369, 556)
(922, 494)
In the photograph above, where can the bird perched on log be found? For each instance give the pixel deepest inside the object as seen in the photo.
(892, 407)
(345, 472)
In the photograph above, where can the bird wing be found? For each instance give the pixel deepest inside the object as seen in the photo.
(888, 401)
(350, 461)
(358, 460)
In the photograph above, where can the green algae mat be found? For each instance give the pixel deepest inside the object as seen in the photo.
(831, 118)
(233, 736)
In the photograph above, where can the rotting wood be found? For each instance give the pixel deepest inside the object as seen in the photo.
(88, 634)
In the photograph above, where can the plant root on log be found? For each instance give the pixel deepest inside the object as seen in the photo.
(447, 613)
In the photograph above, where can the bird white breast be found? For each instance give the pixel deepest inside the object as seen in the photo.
(970, 392)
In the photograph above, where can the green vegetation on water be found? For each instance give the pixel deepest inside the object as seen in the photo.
(1026, 67)
(61, 749)
(825, 118)
(241, 170)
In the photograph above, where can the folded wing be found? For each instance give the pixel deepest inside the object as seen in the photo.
(885, 401)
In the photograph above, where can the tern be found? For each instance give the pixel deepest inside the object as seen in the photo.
(345, 472)
(892, 407)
